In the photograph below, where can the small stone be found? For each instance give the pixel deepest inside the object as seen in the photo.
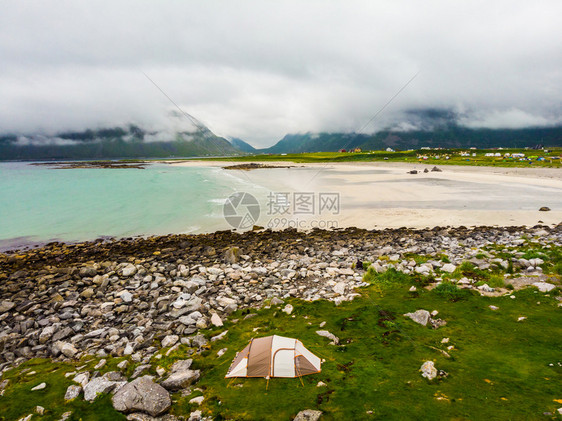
(428, 370)
(195, 416)
(420, 316)
(232, 255)
(544, 209)
(320, 384)
(221, 352)
(40, 386)
(216, 320)
(100, 364)
(493, 307)
(275, 301)
(520, 319)
(412, 289)
(339, 288)
(308, 415)
(288, 309)
(39, 410)
(324, 333)
(72, 392)
(445, 340)
(169, 340)
(198, 400)
(448, 267)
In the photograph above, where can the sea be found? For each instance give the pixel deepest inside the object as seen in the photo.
(39, 204)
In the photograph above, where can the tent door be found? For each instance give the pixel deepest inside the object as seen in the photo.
(284, 363)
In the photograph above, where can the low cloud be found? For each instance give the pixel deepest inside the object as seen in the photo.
(258, 70)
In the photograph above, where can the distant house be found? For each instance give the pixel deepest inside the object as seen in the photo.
(357, 150)
(389, 150)
(342, 150)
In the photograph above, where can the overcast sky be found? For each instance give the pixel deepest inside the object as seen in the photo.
(260, 69)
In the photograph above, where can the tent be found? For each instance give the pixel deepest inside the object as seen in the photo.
(274, 356)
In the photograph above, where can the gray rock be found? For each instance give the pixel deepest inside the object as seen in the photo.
(448, 267)
(199, 341)
(139, 416)
(169, 340)
(88, 272)
(544, 286)
(6, 306)
(428, 370)
(324, 333)
(128, 270)
(40, 386)
(181, 375)
(47, 333)
(142, 395)
(288, 309)
(195, 416)
(126, 296)
(420, 316)
(216, 320)
(486, 288)
(68, 350)
(308, 415)
(72, 392)
(275, 301)
(181, 379)
(232, 255)
(103, 384)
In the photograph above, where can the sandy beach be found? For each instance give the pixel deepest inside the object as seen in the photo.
(385, 195)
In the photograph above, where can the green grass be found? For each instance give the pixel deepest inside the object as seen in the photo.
(412, 156)
(498, 369)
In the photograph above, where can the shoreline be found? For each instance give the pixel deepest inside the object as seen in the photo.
(380, 195)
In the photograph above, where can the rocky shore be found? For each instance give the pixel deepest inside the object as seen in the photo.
(133, 297)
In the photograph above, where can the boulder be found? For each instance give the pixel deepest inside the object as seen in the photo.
(544, 209)
(420, 316)
(142, 395)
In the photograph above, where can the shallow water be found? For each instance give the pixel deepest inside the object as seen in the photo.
(41, 204)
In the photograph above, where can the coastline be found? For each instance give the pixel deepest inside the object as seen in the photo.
(384, 195)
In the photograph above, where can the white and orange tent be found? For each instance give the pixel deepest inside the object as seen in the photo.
(274, 356)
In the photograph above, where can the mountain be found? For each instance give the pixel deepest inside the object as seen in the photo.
(118, 142)
(448, 136)
(242, 146)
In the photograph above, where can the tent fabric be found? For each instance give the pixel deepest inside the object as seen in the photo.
(274, 356)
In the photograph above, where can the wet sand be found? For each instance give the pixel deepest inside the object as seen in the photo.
(385, 195)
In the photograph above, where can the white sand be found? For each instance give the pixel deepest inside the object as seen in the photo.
(384, 195)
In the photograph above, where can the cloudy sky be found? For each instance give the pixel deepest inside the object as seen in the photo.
(260, 69)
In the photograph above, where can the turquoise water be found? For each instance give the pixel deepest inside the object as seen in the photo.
(41, 204)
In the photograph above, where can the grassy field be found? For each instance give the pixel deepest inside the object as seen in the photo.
(434, 157)
(498, 368)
